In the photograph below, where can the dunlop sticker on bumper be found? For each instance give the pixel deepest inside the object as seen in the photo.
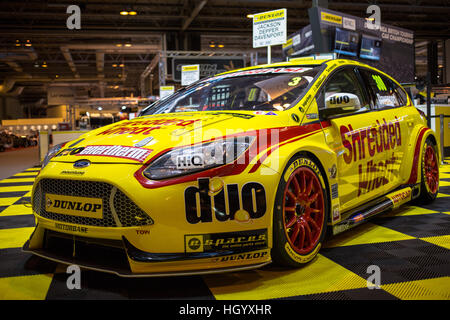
(74, 206)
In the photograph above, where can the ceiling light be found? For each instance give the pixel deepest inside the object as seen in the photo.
(128, 44)
(44, 65)
(99, 108)
(123, 13)
(28, 44)
(250, 16)
(17, 43)
(121, 65)
(118, 44)
(114, 65)
(132, 13)
(220, 45)
(124, 107)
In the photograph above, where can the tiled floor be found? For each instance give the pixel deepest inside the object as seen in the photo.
(410, 246)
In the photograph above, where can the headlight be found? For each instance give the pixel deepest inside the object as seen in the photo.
(51, 153)
(188, 160)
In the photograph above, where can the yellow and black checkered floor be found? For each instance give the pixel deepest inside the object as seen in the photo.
(411, 246)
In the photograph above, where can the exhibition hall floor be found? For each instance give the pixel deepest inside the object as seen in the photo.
(410, 245)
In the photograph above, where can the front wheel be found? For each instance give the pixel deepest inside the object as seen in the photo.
(300, 213)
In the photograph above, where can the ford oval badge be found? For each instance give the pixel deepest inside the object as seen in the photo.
(82, 164)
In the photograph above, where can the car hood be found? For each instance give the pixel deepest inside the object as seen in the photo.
(139, 140)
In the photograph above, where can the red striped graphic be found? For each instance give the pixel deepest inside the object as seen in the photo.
(312, 128)
(415, 167)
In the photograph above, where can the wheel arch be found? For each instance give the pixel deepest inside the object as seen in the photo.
(317, 149)
(311, 155)
(421, 135)
(431, 135)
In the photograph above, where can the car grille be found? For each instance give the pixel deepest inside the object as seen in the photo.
(122, 213)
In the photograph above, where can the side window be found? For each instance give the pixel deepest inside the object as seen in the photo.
(343, 94)
(386, 93)
(403, 96)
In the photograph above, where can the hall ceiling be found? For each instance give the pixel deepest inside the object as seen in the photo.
(110, 51)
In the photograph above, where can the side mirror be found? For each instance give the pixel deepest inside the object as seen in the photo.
(340, 103)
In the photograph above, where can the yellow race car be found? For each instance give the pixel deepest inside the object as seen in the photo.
(236, 171)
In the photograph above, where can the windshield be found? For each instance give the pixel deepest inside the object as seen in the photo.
(268, 89)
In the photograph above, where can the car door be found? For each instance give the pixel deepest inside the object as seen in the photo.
(396, 126)
(354, 135)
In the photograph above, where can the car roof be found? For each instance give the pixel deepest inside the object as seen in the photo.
(306, 61)
(312, 62)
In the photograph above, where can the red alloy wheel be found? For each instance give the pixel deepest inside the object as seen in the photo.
(431, 169)
(303, 210)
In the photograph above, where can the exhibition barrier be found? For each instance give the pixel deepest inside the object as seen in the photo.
(442, 137)
(440, 125)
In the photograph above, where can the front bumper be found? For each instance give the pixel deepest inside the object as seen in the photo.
(147, 230)
(121, 258)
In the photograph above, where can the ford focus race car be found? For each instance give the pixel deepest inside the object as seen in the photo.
(236, 171)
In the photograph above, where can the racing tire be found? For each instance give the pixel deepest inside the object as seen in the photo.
(429, 185)
(300, 213)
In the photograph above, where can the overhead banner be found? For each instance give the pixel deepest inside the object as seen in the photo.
(209, 66)
(299, 43)
(388, 48)
(269, 28)
(57, 95)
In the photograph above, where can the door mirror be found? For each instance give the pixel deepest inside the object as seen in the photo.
(341, 103)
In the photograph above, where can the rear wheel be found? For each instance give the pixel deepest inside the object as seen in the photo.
(300, 213)
(430, 173)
